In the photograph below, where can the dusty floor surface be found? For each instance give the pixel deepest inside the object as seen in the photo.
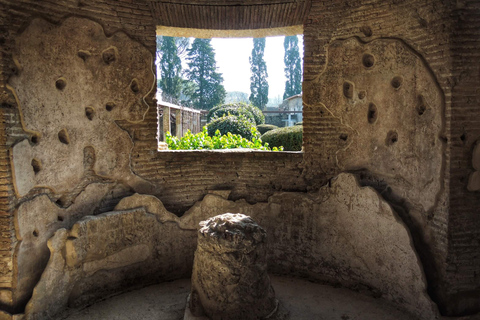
(305, 300)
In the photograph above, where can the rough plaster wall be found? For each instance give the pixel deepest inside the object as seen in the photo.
(446, 35)
(342, 234)
(427, 28)
(73, 84)
(104, 254)
(64, 178)
(37, 220)
(424, 25)
(135, 19)
(389, 113)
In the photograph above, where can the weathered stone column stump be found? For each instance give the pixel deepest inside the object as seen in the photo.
(229, 279)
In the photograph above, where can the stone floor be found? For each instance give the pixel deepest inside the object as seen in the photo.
(305, 301)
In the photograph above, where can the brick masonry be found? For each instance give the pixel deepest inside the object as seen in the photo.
(447, 36)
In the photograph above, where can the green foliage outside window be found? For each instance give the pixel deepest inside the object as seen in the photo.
(203, 141)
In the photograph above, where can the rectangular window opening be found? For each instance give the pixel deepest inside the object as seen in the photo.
(204, 85)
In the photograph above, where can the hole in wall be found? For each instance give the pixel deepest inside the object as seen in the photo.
(421, 107)
(463, 137)
(109, 56)
(60, 84)
(36, 165)
(392, 138)
(362, 94)
(372, 113)
(60, 218)
(367, 31)
(348, 89)
(89, 113)
(84, 55)
(63, 136)
(343, 137)
(61, 201)
(397, 82)
(35, 233)
(34, 139)
(109, 106)
(134, 86)
(14, 69)
(368, 60)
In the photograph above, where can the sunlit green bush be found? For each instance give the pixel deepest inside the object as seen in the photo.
(262, 128)
(235, 125)
(290, 138)
(237, 109)
(203, 140)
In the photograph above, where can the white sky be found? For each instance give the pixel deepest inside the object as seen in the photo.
(232, 61)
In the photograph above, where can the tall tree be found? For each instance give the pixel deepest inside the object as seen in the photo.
(209, 90)
(293, 67)
(258, 80)
(181, 43)
(170, 70)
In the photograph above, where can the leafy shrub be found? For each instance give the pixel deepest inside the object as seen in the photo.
(257, 114)
(235, 125)
(262, 128)
(236, 109)
(290, 138)
(203, 140)
(229, 110)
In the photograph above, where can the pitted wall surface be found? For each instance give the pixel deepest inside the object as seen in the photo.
(388, 109)
(72, 86)
(343, 234)
(73, 83)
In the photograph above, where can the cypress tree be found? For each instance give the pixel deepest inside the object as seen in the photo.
(293, 67)
(258, 80)
(209, 90)
(170, 69)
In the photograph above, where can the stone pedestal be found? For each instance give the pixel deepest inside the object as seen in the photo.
(229, 279)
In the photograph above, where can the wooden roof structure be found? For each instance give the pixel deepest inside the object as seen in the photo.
(229, 14)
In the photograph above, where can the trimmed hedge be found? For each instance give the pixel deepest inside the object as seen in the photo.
(262, 128)
(236, 109)
(231, 111)
(290, 138)
(257, 114)
(235, 125)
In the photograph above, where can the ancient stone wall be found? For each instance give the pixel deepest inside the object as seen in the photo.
(463, 287)
(80, 132)
(15, 17)
(390, 92)
(343, 234)
(184, 177)
(445, 231)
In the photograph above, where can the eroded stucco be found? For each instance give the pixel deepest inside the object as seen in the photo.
(388, 108)
(73, 84)
(344, 233)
